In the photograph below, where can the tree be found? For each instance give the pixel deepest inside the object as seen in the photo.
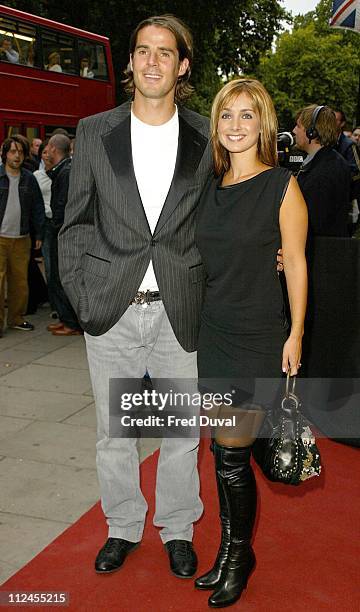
(228, 37)
(313, 64)
(319, 17)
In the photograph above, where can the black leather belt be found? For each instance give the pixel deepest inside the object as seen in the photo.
(145, 297)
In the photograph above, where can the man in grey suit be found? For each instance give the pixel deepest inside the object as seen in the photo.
(131, 269)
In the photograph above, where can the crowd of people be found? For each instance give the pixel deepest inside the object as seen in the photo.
(165, 243)
(34, 179)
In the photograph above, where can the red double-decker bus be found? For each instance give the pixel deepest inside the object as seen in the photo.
(51, 75)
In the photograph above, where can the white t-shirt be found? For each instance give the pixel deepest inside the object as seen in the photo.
(154, 151)
(55, 68)
(45, 187)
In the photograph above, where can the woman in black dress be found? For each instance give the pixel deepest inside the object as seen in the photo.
(250, 209)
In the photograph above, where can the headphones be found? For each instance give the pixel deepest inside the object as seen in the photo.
(312, 132)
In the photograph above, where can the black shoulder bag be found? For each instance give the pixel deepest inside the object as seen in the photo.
(286, 448)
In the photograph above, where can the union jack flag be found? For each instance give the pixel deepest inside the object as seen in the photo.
(346, 14)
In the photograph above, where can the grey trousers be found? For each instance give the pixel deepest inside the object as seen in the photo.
(143, 340)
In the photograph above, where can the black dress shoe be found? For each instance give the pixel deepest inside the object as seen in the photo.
(113, 554)
(183, 559)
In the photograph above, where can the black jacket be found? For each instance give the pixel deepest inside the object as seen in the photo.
(31, 203)
(325, 184)
(351, 153)
(106, 244)
(59, 175)
(345, 146)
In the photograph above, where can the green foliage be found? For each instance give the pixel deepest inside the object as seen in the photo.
(228, 37)
(313, 64)
(319, 17)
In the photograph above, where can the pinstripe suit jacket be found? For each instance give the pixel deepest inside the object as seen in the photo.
(105, 244)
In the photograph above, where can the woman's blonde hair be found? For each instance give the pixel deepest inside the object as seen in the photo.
(263, 106)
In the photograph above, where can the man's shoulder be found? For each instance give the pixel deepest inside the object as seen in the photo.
(197, 121)
(65, 168)
(39, 174)
(60, 172)
(328, 155)
(345, 146)
(330, 163)
(105, 118)
(27, 175)
(26, 172)
(345, 141)
(334, 158)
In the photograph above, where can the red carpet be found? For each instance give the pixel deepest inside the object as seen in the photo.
(306, 543)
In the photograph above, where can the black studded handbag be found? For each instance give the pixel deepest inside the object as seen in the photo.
(286, 449)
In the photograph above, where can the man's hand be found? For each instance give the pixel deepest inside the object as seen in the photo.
(280, 261)
(38, 244)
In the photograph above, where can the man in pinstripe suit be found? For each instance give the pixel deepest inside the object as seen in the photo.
(132, 271)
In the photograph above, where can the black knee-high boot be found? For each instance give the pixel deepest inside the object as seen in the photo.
(237, 478)
(211, 579)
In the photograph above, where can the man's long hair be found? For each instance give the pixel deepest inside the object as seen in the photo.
(184, 43)
(7, 145)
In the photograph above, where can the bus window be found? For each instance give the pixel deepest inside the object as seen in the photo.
(29, 131)
(12, 130)
(32, 132)
(18, 44)
(33, 96)
(58, 52)
(92, 60)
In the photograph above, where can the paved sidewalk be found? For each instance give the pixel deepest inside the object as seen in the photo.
(47, 440)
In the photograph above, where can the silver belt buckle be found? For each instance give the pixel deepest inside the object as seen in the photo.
(140, 297)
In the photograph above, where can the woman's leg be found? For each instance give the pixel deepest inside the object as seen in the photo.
(232, 451)
(211, 579)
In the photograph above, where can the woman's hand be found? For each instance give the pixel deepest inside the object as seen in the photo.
(292, 355)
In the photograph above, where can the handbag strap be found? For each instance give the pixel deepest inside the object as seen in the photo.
(290, 399)
(290, 384)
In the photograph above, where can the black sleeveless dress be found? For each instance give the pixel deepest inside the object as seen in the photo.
(243, 325)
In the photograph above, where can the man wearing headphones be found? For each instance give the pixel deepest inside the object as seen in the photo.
(324, 177)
